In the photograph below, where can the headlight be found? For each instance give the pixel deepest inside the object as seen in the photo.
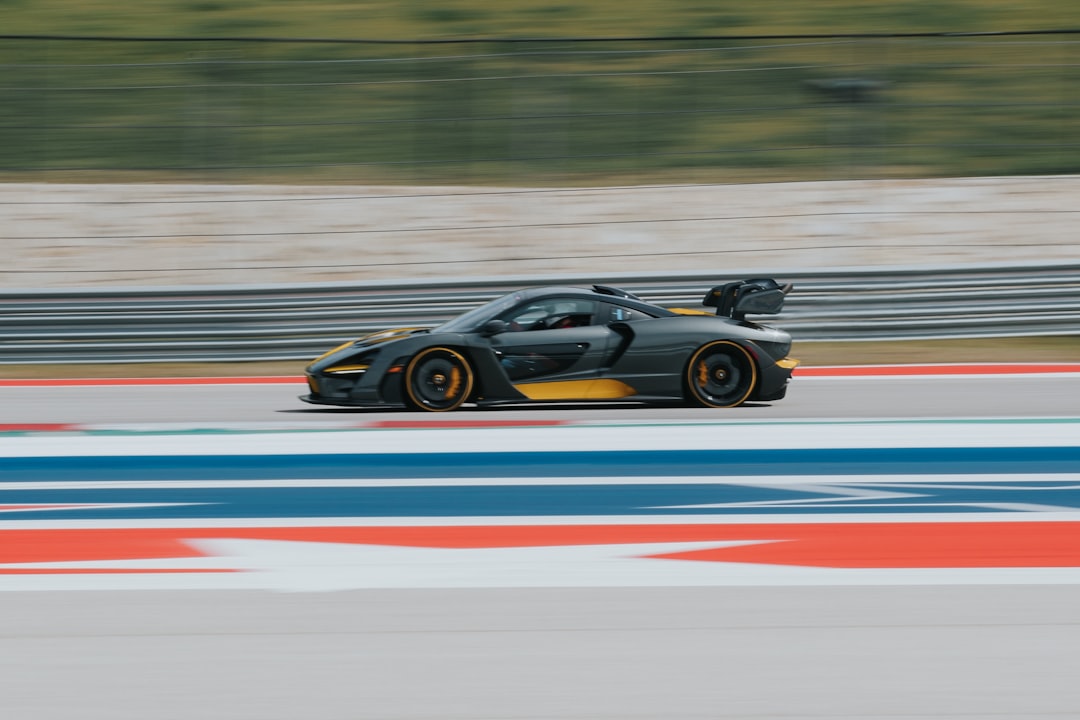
(357, 364)
(347, 369)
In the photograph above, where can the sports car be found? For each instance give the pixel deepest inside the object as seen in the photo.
(560, 344)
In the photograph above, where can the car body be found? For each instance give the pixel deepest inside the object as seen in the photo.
(566, 344)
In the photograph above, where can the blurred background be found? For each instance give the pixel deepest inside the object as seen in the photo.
(589, 93)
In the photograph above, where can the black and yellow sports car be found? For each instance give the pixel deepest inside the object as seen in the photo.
(569, 344)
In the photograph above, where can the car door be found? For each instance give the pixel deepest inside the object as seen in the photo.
(553, 339)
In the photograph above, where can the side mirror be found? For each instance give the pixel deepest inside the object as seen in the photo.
(493, 327)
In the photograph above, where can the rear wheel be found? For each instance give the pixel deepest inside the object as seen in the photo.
(720, 374)
(438, 379)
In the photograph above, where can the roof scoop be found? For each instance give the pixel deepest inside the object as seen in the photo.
(617, 292)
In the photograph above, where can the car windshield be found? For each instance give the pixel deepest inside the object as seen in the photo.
(479, 315)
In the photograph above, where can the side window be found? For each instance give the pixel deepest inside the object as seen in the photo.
(525, 317)
(552, 314)
(618, 313)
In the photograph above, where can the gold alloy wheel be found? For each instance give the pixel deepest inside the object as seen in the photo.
(438, 379)
(720, 374)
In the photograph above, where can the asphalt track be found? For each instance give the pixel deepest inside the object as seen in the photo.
(874, 645)
(943, 391)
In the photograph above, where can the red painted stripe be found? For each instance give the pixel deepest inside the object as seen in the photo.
(420, 424)
(38, 427)
(943, 369)
(837, 545)
(69, 382)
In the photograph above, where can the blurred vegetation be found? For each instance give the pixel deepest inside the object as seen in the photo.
(503, 111)
(418, 20)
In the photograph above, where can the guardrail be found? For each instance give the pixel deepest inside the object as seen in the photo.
(295, 322)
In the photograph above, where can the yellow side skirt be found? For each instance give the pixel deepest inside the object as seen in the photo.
(576, 390)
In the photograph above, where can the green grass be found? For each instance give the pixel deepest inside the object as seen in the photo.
(500, 112)
(413, 19)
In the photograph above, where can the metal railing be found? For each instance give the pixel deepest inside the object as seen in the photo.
(295, 322)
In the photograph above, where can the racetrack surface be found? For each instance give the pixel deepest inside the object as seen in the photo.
(291, 634)
(870, 394)
(898, 653)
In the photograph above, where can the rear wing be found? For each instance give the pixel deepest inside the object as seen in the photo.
(759, 296)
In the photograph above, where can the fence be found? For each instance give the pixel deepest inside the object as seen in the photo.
(571, 111)
(299, 322)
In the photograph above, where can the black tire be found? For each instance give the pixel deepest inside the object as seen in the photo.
(720, 374)
(438, 379)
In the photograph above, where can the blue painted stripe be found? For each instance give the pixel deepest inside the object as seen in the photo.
(545, 500)
(629, 463)
(519, 498)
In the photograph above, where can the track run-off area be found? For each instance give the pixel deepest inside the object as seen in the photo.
(331, 501)
(889, 543)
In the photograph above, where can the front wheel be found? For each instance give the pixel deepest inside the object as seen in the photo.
(438, 379)
(720, 374)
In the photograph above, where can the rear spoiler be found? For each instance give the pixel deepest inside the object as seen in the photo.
(759, 296)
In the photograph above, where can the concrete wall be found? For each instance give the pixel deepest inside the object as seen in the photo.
(109, 235)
